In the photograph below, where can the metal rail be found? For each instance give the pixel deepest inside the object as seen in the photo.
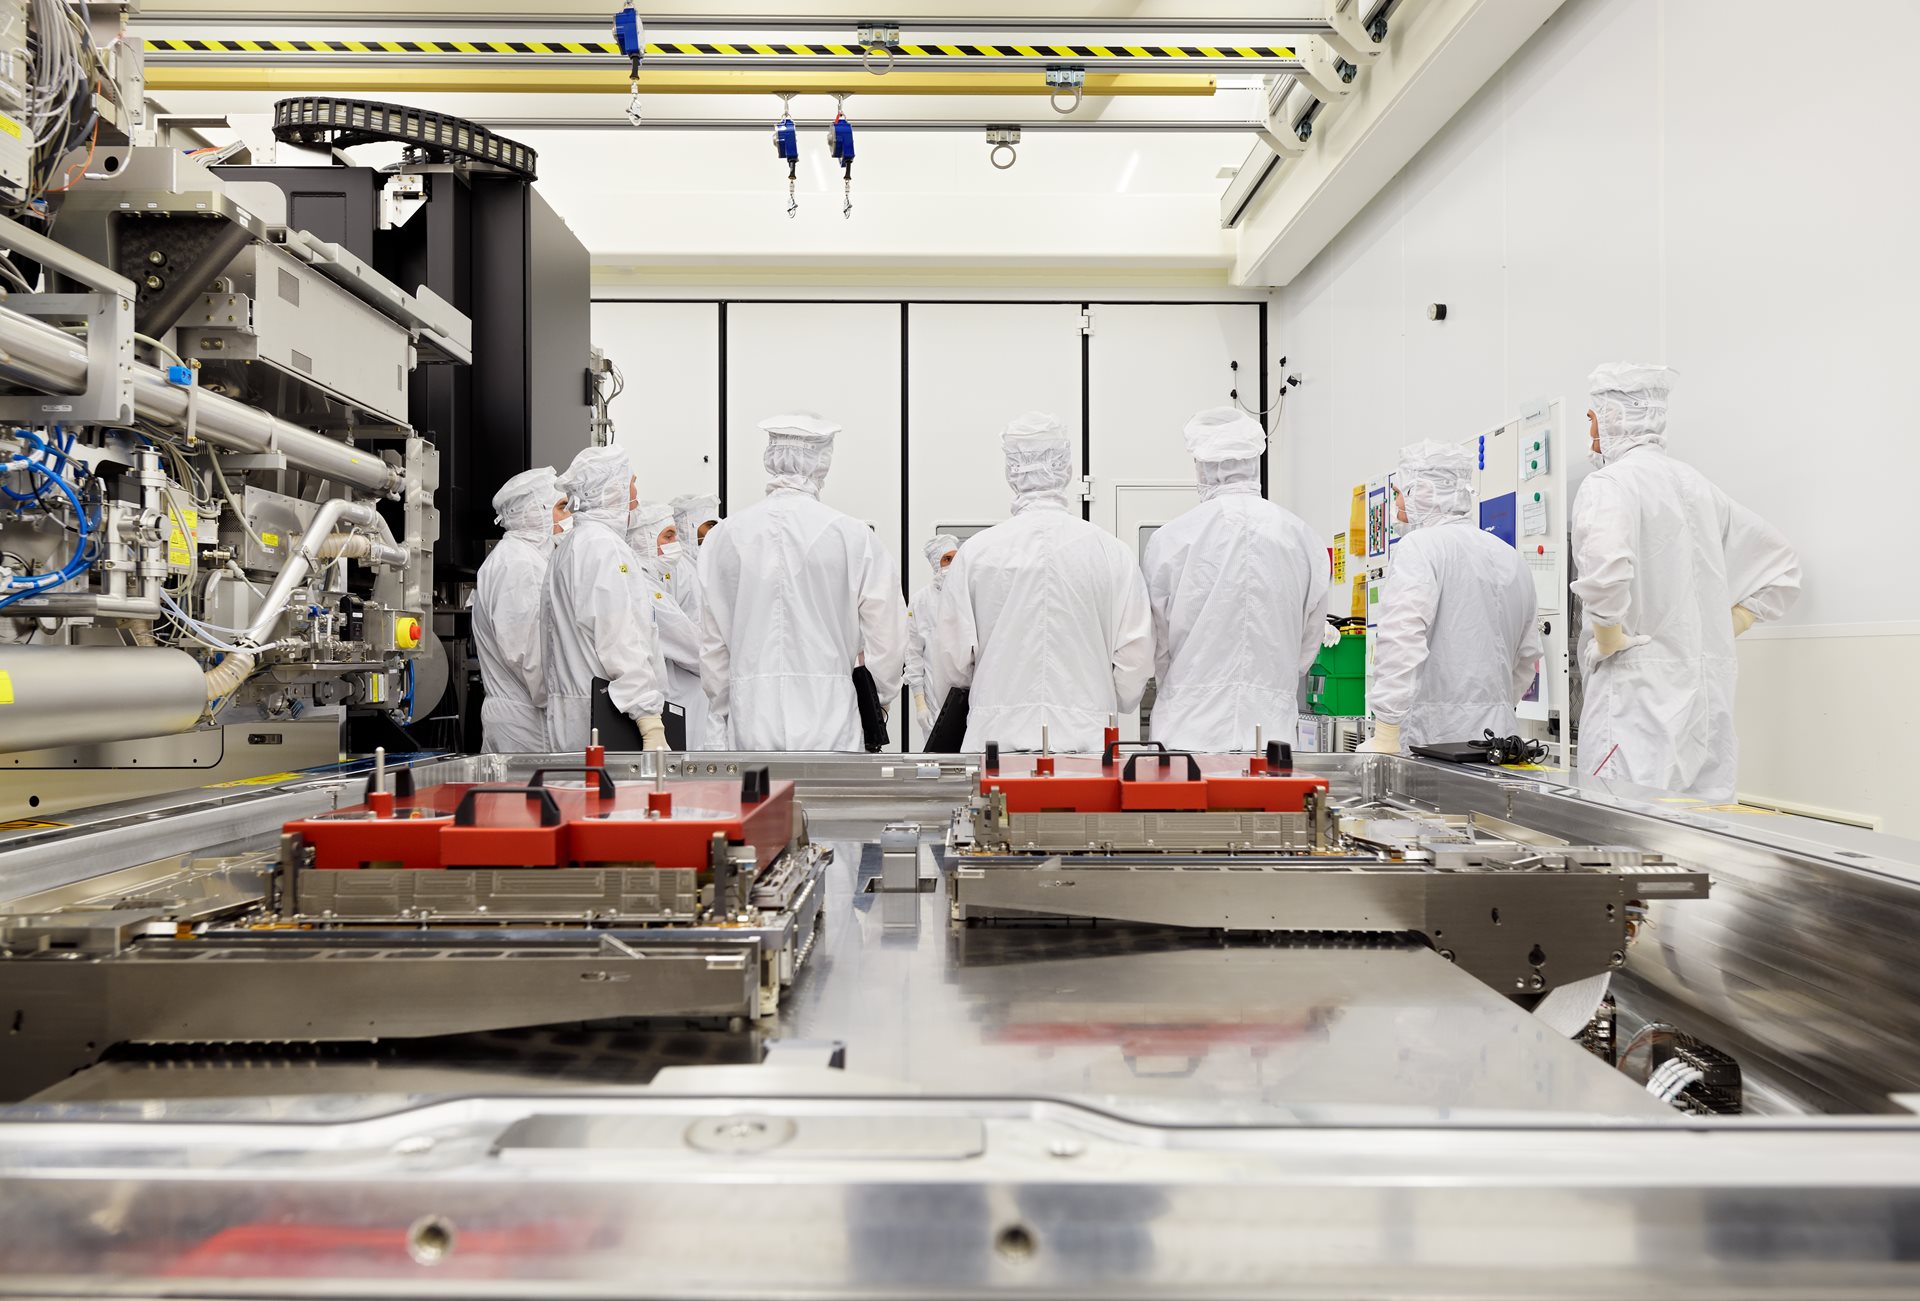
(296, 53)
(696, 24)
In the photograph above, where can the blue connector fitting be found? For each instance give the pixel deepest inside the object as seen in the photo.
(180, 376)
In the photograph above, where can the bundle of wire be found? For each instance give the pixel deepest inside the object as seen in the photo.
(50, 467)
(60, 111)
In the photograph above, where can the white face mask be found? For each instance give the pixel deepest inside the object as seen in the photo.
(566, 526)
(670, 551)
(1398, 527)
(1595, 459)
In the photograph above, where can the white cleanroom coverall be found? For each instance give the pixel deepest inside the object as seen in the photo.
(595, 628)
(796, 596)
(507, 632)
(679, 635)
(921, 612)
(1045, 617)
(1668, 567)
(1457, 642)
(1239, 593)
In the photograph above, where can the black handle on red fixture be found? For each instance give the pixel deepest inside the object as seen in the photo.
(468, 809)
(1166, 758)
(607, 791)
(1156, 748)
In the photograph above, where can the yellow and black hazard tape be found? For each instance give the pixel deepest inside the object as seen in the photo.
(903, 53)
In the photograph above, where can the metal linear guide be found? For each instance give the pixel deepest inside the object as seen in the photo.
(1521, 931)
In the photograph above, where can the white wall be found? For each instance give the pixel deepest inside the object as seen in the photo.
(1636, 184)
(668, 415)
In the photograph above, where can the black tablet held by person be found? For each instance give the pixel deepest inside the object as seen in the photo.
(949, 731)
(618, 732)
(873, 723)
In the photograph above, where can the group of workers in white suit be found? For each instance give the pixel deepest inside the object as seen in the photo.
(1048, 621)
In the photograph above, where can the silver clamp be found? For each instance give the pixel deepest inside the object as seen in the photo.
(876, 40)
(1003, 137)
(1059, 78)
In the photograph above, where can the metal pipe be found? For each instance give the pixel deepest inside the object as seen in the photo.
(87, 695)
(165, 309)
(301, 563)
(74, 605)
(38, 356)
(357, 546)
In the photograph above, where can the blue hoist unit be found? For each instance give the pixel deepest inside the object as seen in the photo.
(629, 35)
(626, 33)
(840, 141)
(786, 145)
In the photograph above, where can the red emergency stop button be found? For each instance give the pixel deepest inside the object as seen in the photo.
(1541, 550)
(406, 633)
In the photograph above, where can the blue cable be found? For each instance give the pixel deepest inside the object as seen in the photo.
(41, 489)
(77, 564)
(60, 452)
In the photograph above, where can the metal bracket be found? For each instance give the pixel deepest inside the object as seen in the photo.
(108, 397)
(877, 38)
(1347, 32)
(1059, 78)
(1003, 137)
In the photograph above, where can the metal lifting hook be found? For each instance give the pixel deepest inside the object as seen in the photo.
(630, 34)
(786, 145)
(840, 143)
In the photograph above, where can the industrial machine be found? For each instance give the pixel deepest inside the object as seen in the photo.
(966, 1024)
(235, 403)
(1249, 845)
(424, 909)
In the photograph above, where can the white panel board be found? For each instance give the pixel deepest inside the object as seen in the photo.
(971, 367)
(668, 416)
(1151, 366)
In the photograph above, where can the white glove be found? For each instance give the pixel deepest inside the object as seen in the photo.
(1743, 619)
(1386, 740)
(1609, 641)
(1329, 636)
(653, 732)
(921, 714)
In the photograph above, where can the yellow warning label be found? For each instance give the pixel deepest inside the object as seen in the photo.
(268, 780)
(10, 126)
(6, 687)
(179, 545)
(269, 539)
(31, 824)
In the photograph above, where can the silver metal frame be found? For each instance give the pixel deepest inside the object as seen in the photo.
(1067, 1108)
